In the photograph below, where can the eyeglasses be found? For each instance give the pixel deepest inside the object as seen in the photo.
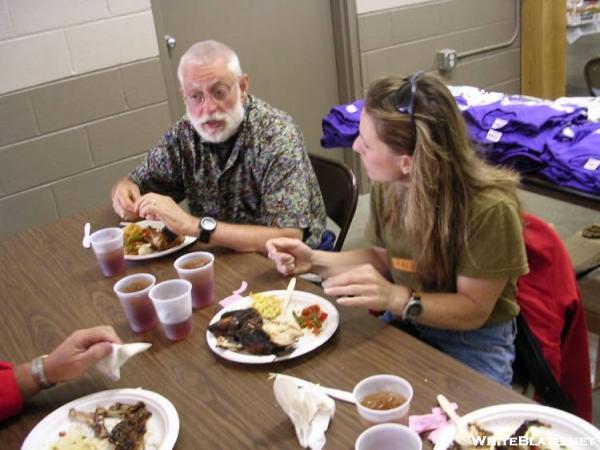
(218, 93)
(404, 100)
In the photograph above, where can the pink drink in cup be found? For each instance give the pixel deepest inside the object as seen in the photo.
(198, 269)
(108, 247)
(172, 300)
(133, 293)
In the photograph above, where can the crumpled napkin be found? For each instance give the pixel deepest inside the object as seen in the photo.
(110, 366)
(308, 407)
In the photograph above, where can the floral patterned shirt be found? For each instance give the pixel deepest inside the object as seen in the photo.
(266, 180)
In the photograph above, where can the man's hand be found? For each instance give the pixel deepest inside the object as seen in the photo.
(292, 256)
(365, 286)
(77, 353)
(160, 207)
(125, 194)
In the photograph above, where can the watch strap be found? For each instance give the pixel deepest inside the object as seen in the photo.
(38, 374)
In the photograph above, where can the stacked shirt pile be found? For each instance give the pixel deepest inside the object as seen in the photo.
(554, 139)
(340, 126)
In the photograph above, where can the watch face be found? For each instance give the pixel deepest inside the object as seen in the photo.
(208, 223)
(414, 310)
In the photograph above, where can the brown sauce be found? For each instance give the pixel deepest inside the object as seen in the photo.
(383, 400)
(135, 286)
(194, 263)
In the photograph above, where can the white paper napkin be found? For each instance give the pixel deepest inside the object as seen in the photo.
(110, 366)
(308, 407)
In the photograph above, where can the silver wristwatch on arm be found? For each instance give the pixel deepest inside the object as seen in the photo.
(413, 307)
(38, 374)
(207, 227)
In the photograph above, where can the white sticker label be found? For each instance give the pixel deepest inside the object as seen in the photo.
(568, 132)
(592, 164)
(351, 109)
(493, 136)
(499, 123)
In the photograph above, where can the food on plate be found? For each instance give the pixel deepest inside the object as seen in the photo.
(145, 240)
(127, 434)
(268, 306)
(282, 332)
(311, 317)
(78, 439)
(246, 330)
(530, 435)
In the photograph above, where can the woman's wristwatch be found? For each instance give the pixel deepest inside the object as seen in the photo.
(413, 307)
(37, 371)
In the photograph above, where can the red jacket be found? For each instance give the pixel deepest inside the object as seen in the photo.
(10, 396)
(550, 303)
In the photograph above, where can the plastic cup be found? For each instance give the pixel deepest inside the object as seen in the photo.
(108, 247)
(388, 436)
(198, 269)
(132, 292)
(172, 300)
(378, 384)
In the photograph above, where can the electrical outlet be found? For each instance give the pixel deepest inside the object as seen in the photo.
(446, 59)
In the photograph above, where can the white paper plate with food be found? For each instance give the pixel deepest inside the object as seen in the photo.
(255, 331)
(70, 426)
(147, 239)
(550, 428)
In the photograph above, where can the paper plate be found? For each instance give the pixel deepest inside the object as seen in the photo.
(162, 427)
(572, 431)
(305, 344)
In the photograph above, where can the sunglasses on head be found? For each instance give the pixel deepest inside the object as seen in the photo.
(404, 100)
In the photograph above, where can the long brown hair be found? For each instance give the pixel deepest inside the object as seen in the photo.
(446, 174)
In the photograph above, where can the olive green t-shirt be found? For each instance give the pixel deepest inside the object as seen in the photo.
(495, 246)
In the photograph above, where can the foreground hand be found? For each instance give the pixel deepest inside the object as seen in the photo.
(292, 256)
(124, 195)
(77, 353)
(163, 208)
(365, 286)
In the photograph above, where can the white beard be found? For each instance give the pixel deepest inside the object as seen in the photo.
(232, 118)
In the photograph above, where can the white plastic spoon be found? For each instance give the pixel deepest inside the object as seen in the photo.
(288, 296)
(86, 242)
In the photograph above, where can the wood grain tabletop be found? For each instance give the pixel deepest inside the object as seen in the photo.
(50, 286)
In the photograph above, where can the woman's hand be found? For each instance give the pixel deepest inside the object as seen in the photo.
(365, 286)
(161, 207)
(292, 256)
(77, 353)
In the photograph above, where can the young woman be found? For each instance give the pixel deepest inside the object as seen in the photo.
(445, 228)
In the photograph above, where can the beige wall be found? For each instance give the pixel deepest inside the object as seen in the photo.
(404, 39)
(82, 97)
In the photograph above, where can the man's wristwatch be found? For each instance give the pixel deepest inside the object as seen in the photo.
(413, 307)
(207, 227)
(37, 371)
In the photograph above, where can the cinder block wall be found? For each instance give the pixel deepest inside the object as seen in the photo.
(82, 97)
(402, 36)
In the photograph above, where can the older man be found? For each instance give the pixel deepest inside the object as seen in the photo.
(240, 163)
